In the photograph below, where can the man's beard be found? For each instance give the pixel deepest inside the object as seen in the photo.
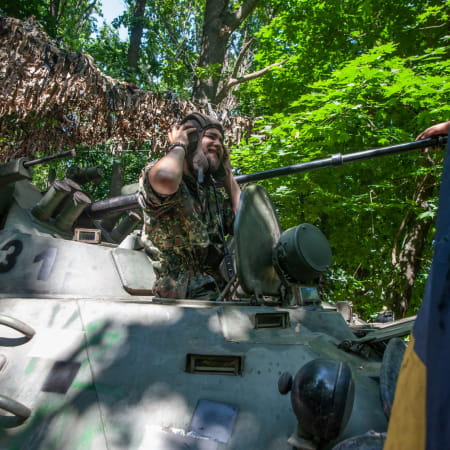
(200, 165)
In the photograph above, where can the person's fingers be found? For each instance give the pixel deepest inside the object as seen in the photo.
(180, 133)
(421, 136)
(187, 128)
(427, 133)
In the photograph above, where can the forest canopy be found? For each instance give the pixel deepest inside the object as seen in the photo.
(295, 81)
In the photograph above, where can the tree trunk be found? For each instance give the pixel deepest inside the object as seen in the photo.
(411, 239)
(219, 23)
(136, 31)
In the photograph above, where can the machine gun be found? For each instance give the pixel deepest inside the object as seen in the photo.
(121, 203)
(18, 169)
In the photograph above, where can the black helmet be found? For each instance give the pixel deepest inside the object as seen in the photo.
(202, 122)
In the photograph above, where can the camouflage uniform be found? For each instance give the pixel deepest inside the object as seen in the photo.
(186, 230)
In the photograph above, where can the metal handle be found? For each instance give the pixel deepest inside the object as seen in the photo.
(17, 325)
(14, 407)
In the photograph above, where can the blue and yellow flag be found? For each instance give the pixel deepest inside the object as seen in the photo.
(420, 417)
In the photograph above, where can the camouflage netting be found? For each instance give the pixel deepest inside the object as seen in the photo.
(51, 100)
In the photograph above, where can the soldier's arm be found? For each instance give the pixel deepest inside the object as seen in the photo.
(166, 175)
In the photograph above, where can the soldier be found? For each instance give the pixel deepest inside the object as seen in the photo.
(186, 216)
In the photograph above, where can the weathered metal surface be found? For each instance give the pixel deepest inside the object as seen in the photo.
(42, 265)
(132, 380)
(109, 366)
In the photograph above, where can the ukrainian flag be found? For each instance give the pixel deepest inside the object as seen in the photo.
(420, 417)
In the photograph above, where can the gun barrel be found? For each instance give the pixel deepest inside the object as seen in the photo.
(339, 159)
(47, 159)
(102, 208)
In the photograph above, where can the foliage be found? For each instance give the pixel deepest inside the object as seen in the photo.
(173, 52)
(109, 51)
(376, 99)
(71, 22)
(318, 37)
(169, 48)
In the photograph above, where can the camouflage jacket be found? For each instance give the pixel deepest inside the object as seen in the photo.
(185, 228)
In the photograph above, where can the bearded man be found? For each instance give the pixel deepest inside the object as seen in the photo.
(186, 215)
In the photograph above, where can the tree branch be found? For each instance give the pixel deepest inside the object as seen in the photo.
(434, 26)
(241, 14)
(241, 54)
(250, 76)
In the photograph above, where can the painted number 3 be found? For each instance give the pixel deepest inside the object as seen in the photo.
(8, 254)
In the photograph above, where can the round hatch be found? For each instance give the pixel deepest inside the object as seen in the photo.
(303, 253)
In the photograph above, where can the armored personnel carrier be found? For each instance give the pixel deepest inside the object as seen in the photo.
(90, 359)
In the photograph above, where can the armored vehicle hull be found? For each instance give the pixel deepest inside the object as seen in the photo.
(112, 374)
(90, 359)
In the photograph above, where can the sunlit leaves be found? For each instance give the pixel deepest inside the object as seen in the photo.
(377, 90)
(70, 22)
